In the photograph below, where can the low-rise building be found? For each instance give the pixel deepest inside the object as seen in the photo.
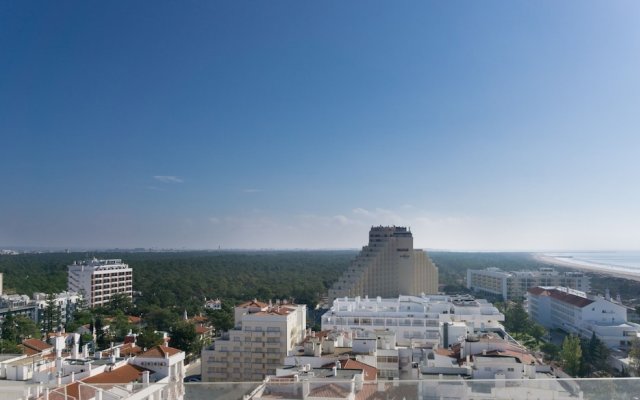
(416, 320)
(575, 312)
(513, 285)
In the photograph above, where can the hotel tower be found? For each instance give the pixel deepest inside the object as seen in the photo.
(388, 267)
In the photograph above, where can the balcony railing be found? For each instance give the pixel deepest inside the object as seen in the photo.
(286, 388)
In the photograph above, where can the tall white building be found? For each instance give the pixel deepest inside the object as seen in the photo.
(513, 285)
(575, 312)
(98, 280)
(264, 334)
(389, 266)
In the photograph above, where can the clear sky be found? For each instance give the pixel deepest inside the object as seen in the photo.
(489, 125)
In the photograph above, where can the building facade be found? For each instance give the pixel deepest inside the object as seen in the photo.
(263, 336)
(513, 285)
(575, 312)
(66, 302)
(416, 321)
(98, 280)
(388, 266)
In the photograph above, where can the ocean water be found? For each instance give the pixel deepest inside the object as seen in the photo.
(623, 261)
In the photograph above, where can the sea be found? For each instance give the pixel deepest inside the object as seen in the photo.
(621, 261)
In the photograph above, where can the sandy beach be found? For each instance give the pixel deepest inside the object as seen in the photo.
(586, 268)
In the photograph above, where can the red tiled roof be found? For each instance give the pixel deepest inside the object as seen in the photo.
(134, 320)
(37, 345)
(199, 318)
(524, 357)
(200, 330)
(125, 374)
(370, 373)
(68, 392)
(562, 296)
(330, 390)
(127, 349)
(254, 303)
(275, 311)
(445, 352)
(159, 352)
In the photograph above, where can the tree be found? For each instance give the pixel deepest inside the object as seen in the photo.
(551, 351)
(537, 331)
(26, 328)
(52, 315)
(571, 355)
(517, 319)
(148, 338)
(120, 302)
(9, 328)
(160, 319)
(120, 325)
(102, 340)
(184, 337)
(222, 319)
(634, 356)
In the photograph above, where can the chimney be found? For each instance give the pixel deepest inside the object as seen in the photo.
(73, 376)
(76, 345)
(58, 344)
(116, 352)
(145, 377)
(335, 369)
(85, 351)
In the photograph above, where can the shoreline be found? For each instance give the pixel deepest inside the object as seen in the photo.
(585, 268)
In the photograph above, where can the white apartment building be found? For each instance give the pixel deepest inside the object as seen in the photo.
(575, 312)
(98, 280)
(389, 266)
(416, 320)
(65, 301)
(513, 285)
(264, 334)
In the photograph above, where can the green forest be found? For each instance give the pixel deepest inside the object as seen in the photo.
(181, 280)
(168, 283)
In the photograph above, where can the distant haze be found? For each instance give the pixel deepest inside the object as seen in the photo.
(480, 125)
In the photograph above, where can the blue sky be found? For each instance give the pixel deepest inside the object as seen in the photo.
(482, 125)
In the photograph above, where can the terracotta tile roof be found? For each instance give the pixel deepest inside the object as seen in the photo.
(200, 330)
(370, 373)
(159, 352)
(134, 320)
(368, 391)
(127, 349)
(523, 357)
(37, 345)
(199, 318)
(125, 374)
(562, 296)
(445, 352)
(330, 390)
(68, 392)
(408, 390)
(538, 291)
(276, 311)
(254, 303)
